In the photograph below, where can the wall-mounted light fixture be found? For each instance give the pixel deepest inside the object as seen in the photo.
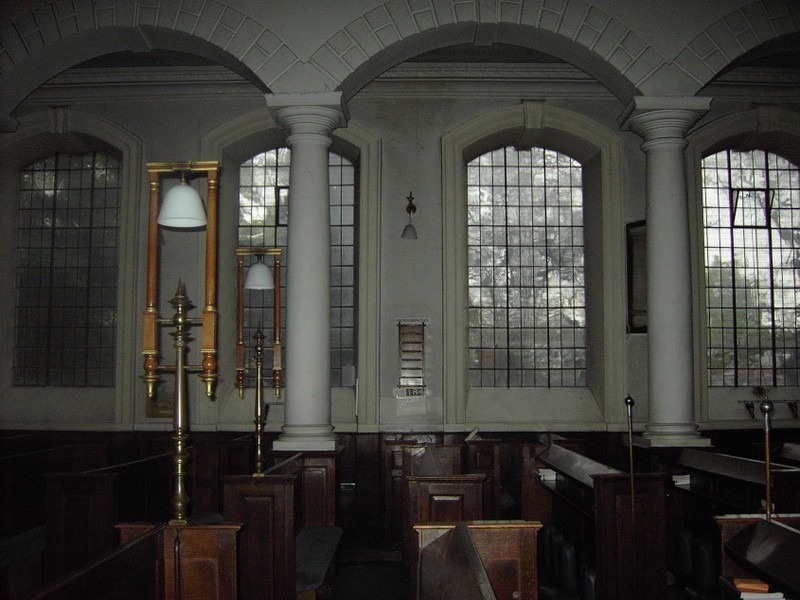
(409, 231)
(181, 208)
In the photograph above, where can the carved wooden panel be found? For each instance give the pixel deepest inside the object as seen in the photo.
(268, 508)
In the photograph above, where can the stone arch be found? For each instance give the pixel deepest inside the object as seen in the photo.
(574, 31)
(740, 31)
(59, 35)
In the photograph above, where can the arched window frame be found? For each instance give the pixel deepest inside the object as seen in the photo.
(537, 123)
(769, 128)
(342, 374)
(352, 408)
(526, 273)
(63, 129)
(67, 268)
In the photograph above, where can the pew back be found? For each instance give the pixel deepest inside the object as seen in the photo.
(83, 508)
(623, 537)
(283, 512)
(127, 572)
(270, 508)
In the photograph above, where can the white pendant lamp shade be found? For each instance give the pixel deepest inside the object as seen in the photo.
(182, 208)
(259, 277)
(409, 232)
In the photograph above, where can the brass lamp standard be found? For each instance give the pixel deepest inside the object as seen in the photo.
(766, 409)
(181, 323)
(259, 277)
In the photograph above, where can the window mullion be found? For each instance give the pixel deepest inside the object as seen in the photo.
(771, 272)
(506, 268)
(734, 303)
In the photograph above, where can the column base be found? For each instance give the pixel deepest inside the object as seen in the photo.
(306, 438)
(681, 435)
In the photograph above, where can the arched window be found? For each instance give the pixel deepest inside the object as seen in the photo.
(527, 306)
(264, 207)
(66, 271)
(751, 214)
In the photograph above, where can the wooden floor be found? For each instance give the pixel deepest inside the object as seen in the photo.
(371, 581)
(366, 570)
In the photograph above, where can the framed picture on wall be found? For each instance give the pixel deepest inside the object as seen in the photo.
(637, 277)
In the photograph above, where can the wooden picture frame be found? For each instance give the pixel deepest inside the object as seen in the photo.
(636, 238)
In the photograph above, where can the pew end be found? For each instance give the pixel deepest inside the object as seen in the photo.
(477, 559)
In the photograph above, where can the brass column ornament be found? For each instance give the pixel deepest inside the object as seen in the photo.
(180, 420)
(629, 410)
(766, 409)
(260, 407)
(208, 372)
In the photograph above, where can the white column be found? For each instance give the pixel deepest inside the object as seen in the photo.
(662, 123)
(309, 119)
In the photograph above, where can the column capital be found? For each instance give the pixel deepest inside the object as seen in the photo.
(662, 118)
(315, 113)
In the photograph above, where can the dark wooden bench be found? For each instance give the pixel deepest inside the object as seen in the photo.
(21, 558)
(125, 573)
(289, 537)
(492, 458)
(83, 508)
(157, 562)
(21, 477)
(732, 484)
(477, 560)
(618, 542)
(752, 547)
(399, 458)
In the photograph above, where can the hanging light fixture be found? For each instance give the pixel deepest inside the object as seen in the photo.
(182, 207)
(259, 277)
(173, 213)
(409, 231)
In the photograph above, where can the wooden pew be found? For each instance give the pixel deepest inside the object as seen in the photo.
(289, 537)
(624, 541)
(731, 484)
(21, 563)
(441, 499)
(21, 478)
(396, 454)
(157, 562)
(125, 573)
(708, 484)
(490, 457)
(83, 508)
(435, 490)
(483, 559)
(752, 547)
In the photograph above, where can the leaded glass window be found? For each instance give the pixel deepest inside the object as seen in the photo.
(264, 206)
(66, 271)
(527, 307)
(751, 213)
